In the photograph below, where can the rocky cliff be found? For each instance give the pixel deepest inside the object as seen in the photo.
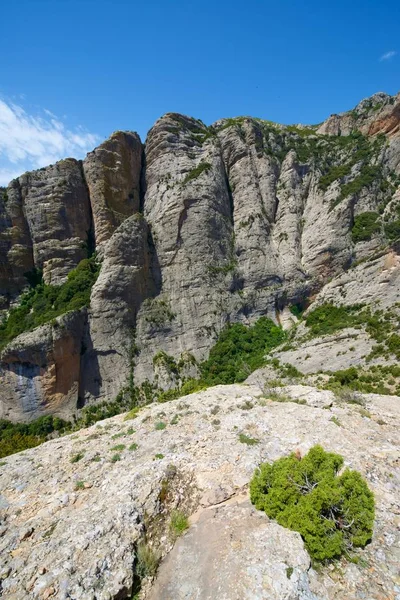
(198, 227)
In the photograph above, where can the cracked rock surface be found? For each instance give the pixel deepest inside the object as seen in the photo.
(73, 508)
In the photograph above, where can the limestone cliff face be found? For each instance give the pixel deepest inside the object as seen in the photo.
(16, 252)
(112, 172)
(56, 208)
(125, 282)
(41, 370)
(45, 223)
(203, 226)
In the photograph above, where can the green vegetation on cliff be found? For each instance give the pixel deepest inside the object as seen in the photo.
(381, 325)
(333, 513)
(202, 167)
(365, 225)
(329, 318)
(43, 303)
(15, 437)
(240, 350)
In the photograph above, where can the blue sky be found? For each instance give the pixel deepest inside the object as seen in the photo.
(72, 72)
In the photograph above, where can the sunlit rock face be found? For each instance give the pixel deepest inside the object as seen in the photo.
(198, 227)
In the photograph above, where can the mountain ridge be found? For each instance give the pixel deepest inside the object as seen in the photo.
(200, 227)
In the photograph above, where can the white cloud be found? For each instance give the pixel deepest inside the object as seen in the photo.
(388, 55)
(30, 141)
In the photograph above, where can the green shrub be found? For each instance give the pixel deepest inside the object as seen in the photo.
(328, 318)
(188, 387)
(333, 513)
(393, 344)
(15, 437)
(368, 174)
(162, 358)
(202, 167)
(392, 230)
(297, 310)
(133, 413)
(240, 350)
(335, 173)
(158, 312)
(365, 225)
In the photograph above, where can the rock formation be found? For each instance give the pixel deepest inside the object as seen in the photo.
(199, 227)
(75, 509)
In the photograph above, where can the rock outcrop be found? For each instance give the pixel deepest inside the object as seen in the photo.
(199, 227)
(126, 280)
(42, 370)
(250, 558)
(378, 114)
(75, 508)
(112, 172)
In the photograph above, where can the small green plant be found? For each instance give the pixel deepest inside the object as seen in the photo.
(178, 523)
(202, 167)
(77, 457)
(245, 439)
(115, 458)
(133, 447)
(80, 485)
(147, 560)
(132, 414)
(289, 572)
(49, 532)
(160, 426)
(158, 457)
(277, 396)
(118, 448)
(333, 513)
(247, 405)
(365, 413)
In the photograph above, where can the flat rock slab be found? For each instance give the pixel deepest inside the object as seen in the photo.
(234, 552)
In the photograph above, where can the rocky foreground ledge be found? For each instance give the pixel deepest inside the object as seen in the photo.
(74, 509)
